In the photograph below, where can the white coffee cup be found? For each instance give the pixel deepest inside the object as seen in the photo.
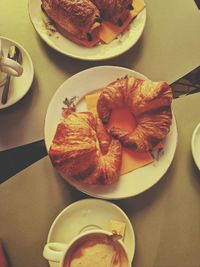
(8, 66)
(96, 247)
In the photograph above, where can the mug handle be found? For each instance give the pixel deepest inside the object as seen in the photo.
(54, 251)
(11, 67)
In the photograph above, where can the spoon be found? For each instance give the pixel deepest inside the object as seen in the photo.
(14, 54)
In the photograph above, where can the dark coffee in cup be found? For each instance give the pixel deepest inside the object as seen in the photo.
(96, 250)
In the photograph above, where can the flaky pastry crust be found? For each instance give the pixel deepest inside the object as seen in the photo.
(82, 150)
(150, 104)
(77, 18)
(115, 11)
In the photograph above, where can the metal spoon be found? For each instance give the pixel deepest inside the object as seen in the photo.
(14, 54)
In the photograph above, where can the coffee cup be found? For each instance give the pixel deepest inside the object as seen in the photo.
(8, 66)
(93, 248)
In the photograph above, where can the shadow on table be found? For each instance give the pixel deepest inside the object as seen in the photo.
(73, 65)
(188, 84)
(16, 159)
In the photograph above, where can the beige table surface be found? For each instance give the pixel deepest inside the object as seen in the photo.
(168, 49)
(166, 218)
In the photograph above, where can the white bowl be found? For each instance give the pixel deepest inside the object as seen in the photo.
(19, 86)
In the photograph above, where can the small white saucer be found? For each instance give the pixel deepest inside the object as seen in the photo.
(19, 86)
(196, 145)
(89, 213)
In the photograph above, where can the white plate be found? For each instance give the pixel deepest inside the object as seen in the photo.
(87, 214)
(196, 145)
(19, 86)
(67, 47)
(81, 84)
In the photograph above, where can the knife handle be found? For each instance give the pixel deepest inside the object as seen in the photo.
(4, 97)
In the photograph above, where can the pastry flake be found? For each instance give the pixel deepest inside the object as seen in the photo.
(150, 104)
(83, 150)
(76, 19)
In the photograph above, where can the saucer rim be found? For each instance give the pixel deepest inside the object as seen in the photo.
(194, 139)
(76, 203)
(31, 75)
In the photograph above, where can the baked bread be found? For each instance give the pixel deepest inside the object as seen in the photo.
(79, 20)
(115, 11)
(150, 104)
(82, 150)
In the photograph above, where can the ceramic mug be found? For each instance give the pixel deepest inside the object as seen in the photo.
(8, 66)
(91, 248)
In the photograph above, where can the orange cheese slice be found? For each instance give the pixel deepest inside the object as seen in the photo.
(110, 31)
(131, 160)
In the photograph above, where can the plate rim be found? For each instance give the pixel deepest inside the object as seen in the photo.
(8, 104)
(90, 58)
(77, 74)
(106, 202)
(194, 136)
(103, 195)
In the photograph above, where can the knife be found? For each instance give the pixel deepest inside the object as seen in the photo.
(14, 54)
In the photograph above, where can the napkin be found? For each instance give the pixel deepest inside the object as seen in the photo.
(131, 160)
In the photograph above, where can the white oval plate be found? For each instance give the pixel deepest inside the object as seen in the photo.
(67, 47)
(81, 84)
(196, 145)
(89, 213)
(19, 86)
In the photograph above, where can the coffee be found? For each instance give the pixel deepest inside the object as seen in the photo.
(96, 250)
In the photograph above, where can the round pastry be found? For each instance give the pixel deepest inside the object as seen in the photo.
(83, 150)
(149, 102)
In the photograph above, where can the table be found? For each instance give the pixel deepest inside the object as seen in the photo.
(167, 50)
(23, 156)
(166, 218)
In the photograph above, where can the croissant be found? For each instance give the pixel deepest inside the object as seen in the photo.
(149, 102)
(78, 19)
(115, 11)
(83, 150)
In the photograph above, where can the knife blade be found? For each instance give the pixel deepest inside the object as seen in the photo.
(14, 54)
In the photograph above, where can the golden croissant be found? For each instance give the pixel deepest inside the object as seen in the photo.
(149, 102)
(83, 150)
(78, 19)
